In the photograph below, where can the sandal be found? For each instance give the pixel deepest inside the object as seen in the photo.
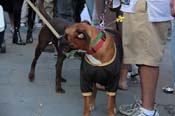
(168, 89)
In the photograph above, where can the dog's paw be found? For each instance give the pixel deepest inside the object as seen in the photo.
(63, 80)
(31, 77)
(92, 107)
(60, 91)
(115, 110)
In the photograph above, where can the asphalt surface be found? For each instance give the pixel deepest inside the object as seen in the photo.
(19, 97)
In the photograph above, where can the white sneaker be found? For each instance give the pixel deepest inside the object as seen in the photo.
(134, 109)
(140, 112)
(22, 25)
(12, 30)
(129, 109)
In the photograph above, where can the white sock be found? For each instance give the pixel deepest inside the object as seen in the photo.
(148, 112)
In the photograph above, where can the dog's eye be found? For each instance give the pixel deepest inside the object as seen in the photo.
(81, 36)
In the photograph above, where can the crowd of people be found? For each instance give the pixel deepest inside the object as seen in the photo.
(143, 45)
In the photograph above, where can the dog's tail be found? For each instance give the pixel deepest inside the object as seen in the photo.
(41, 8)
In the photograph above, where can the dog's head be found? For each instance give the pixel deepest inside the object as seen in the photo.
(80, 35)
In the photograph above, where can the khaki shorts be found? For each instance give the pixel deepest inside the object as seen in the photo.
(143, 41)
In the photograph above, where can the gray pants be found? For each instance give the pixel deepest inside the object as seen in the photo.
(65, 9)
(173, 52)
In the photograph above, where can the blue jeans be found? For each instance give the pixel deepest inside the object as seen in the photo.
(172, 47)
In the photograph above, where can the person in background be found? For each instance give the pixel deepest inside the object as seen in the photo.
(69, 9)
(143, 45)
(173, 40)
(2, 29)
(14, 10)
(105, 12)
(90, 7)
(24, 14)
(13, 7)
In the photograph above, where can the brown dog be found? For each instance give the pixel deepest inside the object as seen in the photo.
(100, 64)
(61, 45)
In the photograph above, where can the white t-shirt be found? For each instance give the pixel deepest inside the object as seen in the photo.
(128, 5)
(116, 3)
(158, 10)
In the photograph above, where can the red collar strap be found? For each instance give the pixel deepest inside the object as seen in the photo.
(97, 44)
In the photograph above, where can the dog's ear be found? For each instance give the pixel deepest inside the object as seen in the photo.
(82, 34)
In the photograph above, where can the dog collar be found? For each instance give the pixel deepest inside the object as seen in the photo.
(97, 43)
(105, 63)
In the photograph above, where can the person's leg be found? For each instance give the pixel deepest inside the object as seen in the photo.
(49, 6)
(90, 7)
(123, 77)
(149, 77)
(109, 17)
(24, 13)
(31, 20)
(11, 18)
(78, 7)
(173, 53)
(9, 9)
(17, 5)
(171, 86)
(98, 12)
(64, 9)
(2, 42)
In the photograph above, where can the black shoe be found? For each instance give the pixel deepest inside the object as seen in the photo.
(29, 38)
(17, 38)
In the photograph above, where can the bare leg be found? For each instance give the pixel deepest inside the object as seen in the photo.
(149, 77)
(11, 18)
(123, 75)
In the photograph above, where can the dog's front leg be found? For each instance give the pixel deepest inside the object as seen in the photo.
(87, 105)
(59, 64)
(111, 105)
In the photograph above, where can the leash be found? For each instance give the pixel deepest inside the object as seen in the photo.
(43, 19)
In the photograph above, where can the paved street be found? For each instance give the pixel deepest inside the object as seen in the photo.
(19, 97)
